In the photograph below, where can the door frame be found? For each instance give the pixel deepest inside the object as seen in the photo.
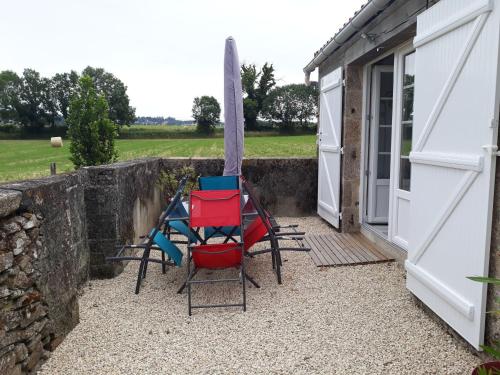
(399, 52)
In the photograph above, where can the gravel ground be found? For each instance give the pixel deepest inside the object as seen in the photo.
(345, 320)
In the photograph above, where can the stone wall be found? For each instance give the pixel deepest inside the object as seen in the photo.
(493, 320)
(351, 161)
(122, 203)
(286, 187)
(43, 259)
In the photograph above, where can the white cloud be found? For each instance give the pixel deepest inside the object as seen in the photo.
(167, 52)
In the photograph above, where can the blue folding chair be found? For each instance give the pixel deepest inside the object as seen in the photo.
(155, 240)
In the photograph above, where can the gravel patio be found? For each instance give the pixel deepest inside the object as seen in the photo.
(343, 320)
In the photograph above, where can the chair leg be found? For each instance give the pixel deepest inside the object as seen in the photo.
(252, 281)
(147, 252)
(243, 284)
(139, 277)
(183, 286)
(163, 265)
(278, 266)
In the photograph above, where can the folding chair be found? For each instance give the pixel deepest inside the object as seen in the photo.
(263, 229)
(219, 183)
(216, 208)
(155, 240)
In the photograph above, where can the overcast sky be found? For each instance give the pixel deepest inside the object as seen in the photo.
(166, 52)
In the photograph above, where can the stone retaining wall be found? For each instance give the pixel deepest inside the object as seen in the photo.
(44, 257)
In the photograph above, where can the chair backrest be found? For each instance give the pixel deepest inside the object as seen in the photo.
(214, 208)
(219, 183)
(247, 187)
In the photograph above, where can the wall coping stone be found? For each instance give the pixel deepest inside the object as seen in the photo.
(10, 200)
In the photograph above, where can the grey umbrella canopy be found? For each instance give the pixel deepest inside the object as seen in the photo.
(233, 111)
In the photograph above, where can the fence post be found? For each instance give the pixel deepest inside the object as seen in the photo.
(53, 169)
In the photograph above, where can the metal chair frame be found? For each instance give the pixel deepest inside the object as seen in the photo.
(148, 244)
(275, 233)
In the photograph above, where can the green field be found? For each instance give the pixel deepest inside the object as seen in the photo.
(23, 159)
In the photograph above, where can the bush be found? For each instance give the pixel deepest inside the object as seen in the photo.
(91, 132)
(206, 113)
(168, 181)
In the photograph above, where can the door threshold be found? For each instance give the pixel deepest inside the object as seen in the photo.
(379, 238)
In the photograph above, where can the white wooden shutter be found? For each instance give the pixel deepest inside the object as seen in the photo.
(330, 125)
(452, 176)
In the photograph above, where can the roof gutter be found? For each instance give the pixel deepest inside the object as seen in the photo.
(355, 24)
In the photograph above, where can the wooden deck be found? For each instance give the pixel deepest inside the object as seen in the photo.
(343, 249)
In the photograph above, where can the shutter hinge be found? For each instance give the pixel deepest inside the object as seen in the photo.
(342, 151)
(340, 216)
(343, 82)
(492, 150)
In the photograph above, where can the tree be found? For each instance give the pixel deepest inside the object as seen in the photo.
(256, 86)
(115, 93)
(291, 104)
(64, 86)
(91, 132)
(31, 105)
(206, 113)
(10, 84)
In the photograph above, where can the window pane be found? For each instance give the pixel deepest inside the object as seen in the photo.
(385, 114)
(409, 75)
(408, 104)
(404, 174)
(386, 83)
(384, 166)
(407, 121)
(384, 139)
(406, 135)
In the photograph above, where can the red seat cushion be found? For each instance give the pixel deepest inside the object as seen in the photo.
(231, 257)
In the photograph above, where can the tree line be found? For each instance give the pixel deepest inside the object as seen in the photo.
(288, 107)
(35, 101)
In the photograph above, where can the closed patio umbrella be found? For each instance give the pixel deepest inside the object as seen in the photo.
(233, 111)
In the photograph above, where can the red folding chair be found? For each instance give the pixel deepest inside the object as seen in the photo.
(216, 208)
(265, 228)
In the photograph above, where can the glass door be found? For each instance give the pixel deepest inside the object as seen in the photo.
(379, 172)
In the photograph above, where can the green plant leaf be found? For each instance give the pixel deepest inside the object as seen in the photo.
(488, 280)
(494, 352)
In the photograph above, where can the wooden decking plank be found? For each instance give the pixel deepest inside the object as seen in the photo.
(313, 254)
(314, 248)
(353, 250)
(370, 256)
(371, 246)
(339, 254)
(329, 251)
(341, 249)
(345, 249)
(321, 252)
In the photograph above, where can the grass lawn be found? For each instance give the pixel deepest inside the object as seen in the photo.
(23, 159)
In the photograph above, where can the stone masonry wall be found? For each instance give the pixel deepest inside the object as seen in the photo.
(122, 202)
(43, 259)
(286, 187)
(351, 161)
(493, 320)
